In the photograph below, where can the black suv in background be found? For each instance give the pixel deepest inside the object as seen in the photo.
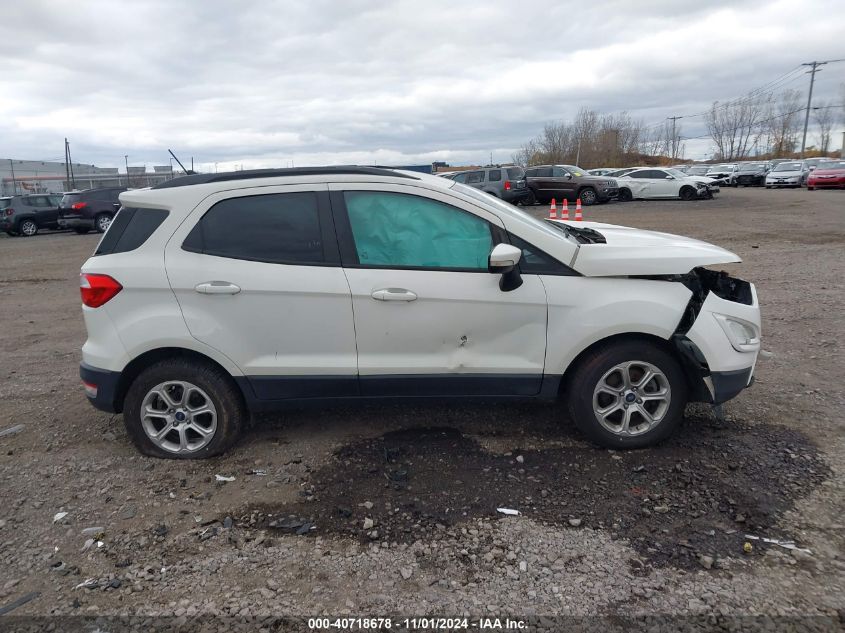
(89, 209)
(750, 174)
(26, 215)
(570, 182)
(507, 183)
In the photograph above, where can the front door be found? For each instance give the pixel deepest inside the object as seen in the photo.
(430, 320)
(257, 276)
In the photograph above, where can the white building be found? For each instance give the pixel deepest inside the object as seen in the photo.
(35, 176)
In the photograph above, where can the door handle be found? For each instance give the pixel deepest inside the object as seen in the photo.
(217, 288)
(394, 294)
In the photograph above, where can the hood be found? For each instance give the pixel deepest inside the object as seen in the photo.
(820, 171)
(786, 174)
(628, 251)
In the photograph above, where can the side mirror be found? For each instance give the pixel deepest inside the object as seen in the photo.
(670, 178)
(568, 176)
(503, 260)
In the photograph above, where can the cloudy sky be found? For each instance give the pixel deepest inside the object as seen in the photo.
(387, 82)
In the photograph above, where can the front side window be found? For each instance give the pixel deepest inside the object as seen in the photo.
(281, 228)
(397, 230)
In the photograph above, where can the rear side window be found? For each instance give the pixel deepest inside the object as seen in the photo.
(494, 175)
(281, 228)
(543, 172)
(130, 228)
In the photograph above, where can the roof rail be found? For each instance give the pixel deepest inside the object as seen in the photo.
(199, 179)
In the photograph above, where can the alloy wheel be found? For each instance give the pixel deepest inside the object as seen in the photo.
(178, 417)
(632, 398)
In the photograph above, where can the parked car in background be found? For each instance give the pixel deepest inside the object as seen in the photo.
(751, 174)
(813, 163)
(622, 172)
(507, 183)
(396, 284)
(697, 170)
(602, 171)
(787, 174)
(827, 174)
(720, 173)
(90, 209)
(654, 183)
(27, 214)
(569, 182)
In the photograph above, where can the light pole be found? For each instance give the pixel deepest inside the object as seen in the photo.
(126, 160)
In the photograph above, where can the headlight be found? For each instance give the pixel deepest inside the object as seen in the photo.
(744, 336)
(700, 185)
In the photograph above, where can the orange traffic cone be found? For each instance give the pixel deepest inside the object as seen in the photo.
(578, 216)
(553, 210)
(564, 210)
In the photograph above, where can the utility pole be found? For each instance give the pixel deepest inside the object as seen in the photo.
(674, 148)
(814, 68)
(67, 165)
(14, 182)
(70, 162)
(126, 161)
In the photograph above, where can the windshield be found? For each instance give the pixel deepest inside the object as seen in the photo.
(833, 164)
(620, 172)
(721, 168)
(504, 207)
(788, 167)
(752, 166)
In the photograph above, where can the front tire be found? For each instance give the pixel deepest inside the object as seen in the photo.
(687, 194)
(588, 196)
(628, 394)
(28, 228)
(181, 409)
(102, 222)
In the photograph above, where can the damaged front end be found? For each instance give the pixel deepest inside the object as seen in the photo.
(718, 337)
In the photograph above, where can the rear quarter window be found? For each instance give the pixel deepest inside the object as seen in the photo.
(130, 228)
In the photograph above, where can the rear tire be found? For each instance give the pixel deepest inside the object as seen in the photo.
(687, 194)
(625, 195)
(28, 228)
(102, 222)
(600, 369)
(213, 389)
(81, 231)
(11, 233)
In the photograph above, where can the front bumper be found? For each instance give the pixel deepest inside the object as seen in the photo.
(749, 180)
(820, 183)
(101, 387)
(6, 224)
(784, 182)
(608, 193)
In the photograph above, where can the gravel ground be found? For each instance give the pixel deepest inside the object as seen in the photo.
(381, 510)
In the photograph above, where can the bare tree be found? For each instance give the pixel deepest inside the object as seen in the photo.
(784, 122)
(824, 116)
(734, 126)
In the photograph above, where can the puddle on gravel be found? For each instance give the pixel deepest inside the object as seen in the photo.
(699, 493)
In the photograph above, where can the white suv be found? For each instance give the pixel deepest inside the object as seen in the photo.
(213, 296)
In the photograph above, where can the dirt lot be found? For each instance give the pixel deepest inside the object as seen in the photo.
(392, 509)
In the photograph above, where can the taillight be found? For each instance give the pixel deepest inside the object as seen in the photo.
(97, 289)
(9, 211)
(507, 185)
(78, 206)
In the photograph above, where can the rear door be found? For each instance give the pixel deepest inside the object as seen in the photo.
(542, 183)
(257, 275)
(46, 213)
